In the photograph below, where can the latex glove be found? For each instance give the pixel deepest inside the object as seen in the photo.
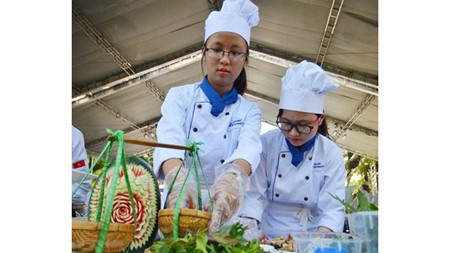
(189, 199)
(322, 229)
(227, 194)
(252, 232)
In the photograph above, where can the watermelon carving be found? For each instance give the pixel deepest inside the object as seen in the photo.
(146, 195)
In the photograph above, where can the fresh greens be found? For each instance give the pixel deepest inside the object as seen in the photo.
(363, 203)
(228, 239)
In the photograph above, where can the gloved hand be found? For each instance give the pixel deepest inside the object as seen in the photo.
(189, 199)
(227, 194)
(252, 232)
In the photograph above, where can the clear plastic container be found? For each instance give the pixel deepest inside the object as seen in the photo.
(309, 242)
(365, 226)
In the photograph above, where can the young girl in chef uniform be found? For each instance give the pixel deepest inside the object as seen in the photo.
(300, 166)
(214, 112)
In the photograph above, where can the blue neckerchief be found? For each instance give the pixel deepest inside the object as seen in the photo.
(297, 152)
(218, 103)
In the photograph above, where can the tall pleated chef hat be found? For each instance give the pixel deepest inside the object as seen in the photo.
(237, 16)
(303, 88)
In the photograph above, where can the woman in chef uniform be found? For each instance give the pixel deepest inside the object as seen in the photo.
(300, 166)
(214, 112)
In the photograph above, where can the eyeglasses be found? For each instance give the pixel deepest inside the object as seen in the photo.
(303, 129)
(218, 54)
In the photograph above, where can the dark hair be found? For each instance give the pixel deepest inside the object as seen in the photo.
(241, 81)
(323, 128)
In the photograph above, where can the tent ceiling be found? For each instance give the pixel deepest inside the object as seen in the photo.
(127, 54)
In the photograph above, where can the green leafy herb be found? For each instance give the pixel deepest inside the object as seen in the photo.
(228, 239)
(363, 203)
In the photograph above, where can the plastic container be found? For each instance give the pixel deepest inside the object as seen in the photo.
(365, 226)
(312, 242)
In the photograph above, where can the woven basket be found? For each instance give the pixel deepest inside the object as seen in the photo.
(190, 220)
(85, 236)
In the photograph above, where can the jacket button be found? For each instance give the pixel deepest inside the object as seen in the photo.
(310, 158)
(307, 177)
(305, 198)
(227, 113)
(190, 154)
(199, 106)
(195, 129)
(224, 136)
(279, 175)
(222, 161)
(283, 155)
(277, 195)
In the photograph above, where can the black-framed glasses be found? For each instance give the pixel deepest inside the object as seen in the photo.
(218, 54)
(303, 129)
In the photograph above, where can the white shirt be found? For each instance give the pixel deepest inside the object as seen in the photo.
(80, 163)
(233, 134)
(280, 190)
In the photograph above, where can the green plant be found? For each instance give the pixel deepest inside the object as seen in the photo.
(228, 239)
(363, 203)
(361, 169)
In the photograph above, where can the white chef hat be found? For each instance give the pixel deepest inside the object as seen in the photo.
(303, 88)
(237, 16)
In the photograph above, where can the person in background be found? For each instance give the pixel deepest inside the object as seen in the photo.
(300, 166)
(214, 112)
(80, 163)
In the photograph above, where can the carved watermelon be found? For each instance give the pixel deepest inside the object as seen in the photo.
(146, 196)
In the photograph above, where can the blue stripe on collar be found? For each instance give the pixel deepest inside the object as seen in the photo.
(218, 103)
(298, 152)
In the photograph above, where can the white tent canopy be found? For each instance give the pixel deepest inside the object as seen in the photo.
(127, 54)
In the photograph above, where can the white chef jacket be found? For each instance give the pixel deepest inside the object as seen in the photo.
(233, 134)
(279, 190)
(80, 163)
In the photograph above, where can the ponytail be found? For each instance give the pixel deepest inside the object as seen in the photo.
(241, 82)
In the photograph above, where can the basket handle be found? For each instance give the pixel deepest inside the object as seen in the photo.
(192, 166)
(153, 144)
(120, 162)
